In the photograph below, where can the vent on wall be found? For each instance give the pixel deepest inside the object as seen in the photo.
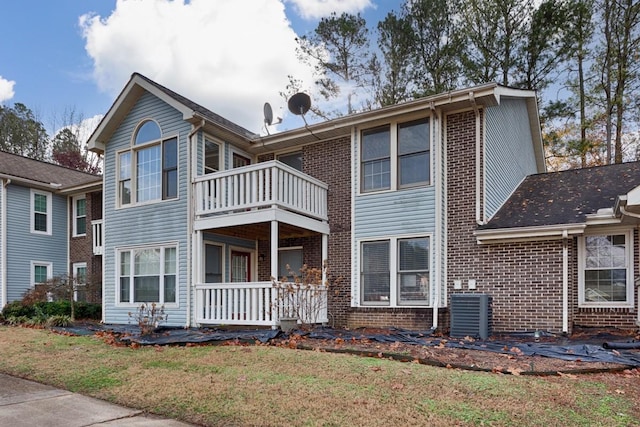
(471, 315)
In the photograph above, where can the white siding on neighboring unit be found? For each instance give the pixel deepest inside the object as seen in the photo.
(509, 154)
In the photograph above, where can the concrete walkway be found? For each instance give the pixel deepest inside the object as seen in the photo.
(26, 403)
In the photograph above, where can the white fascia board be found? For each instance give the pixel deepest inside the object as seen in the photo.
(526, 234)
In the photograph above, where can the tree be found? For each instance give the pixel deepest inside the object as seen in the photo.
(22, 133)
(495, 30)
(339, 47)
(392, 77)
(435, 44)
(67, 148)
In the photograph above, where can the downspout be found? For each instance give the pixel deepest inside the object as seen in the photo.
(191, 160)
(565, 281)
(438, 229)
(3, 239)
(472, 99)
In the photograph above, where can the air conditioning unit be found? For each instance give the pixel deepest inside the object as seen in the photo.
(471, 315)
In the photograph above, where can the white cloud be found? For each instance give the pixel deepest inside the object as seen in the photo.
(230, 56)
(316, 9)
(6, 89)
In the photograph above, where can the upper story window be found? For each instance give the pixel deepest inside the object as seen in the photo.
(149, 170)
(79, 216)
(605, 270)
(211, 156)
(292, 159)
(395, 156)
(41, 206)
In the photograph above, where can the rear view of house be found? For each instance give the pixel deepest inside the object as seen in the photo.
(45, 224)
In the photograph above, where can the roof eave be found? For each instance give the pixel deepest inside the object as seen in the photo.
(525, 234)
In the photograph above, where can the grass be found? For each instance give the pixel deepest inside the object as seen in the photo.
(269, 386)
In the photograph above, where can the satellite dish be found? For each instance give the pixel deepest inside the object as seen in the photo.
(268, 114)
(299, 103)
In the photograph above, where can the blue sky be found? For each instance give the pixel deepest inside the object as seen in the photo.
(229, 55)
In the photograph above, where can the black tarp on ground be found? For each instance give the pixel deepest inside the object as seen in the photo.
(524, 343)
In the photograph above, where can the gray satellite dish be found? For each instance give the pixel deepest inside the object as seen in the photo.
(268, 114)
(299, 103)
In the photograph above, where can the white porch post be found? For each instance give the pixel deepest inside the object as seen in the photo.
(274, 268)
(325, 256)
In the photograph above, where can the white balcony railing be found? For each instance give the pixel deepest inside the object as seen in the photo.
(261, 185)
(96, 232)
(257, 303)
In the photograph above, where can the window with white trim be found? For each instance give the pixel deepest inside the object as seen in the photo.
(148, 274)
(211, 156)
(79, 216)
(41, 211)
(80, 278)
(292, 159)
(148, 171)
(395, 156)
(395, 272)
(290, 261)
(40, 272)
(605, 269)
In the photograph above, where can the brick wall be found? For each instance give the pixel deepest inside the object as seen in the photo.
(81, 248)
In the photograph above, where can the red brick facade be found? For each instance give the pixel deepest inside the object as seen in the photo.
(81, 247)
(525, 279)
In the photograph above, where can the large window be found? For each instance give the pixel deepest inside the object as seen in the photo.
(149, 170)
(40, 212)
(395, 156)
(605, 270)
(292, 159)
(402, 280)
(289, 263)
(147, 275)
(79, 216)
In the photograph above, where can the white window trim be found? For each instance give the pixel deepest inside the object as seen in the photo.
(629, 251)
(34, 264)
(393, 156)
(127, 304)
(49, 196)
(220, 145)
(253, 260)
(133, 148)
(74, 269)
(75, 216)
(393, 272)
(234, 150)
(203, 271)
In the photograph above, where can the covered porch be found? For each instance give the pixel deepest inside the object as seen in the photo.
(249, 223)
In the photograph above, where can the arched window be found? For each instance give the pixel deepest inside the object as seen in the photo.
(148, 171)
(147, 132)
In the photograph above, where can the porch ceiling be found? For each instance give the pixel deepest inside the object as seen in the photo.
(262, 231)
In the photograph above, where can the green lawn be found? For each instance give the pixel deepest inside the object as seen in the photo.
(270, 386)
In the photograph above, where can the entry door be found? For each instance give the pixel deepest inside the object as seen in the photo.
(240, 266)
(237, 161)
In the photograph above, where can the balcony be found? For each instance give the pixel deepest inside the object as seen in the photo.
(267, 185)
(96, 233)
(259, 303)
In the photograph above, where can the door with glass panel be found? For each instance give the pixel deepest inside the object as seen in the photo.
(240, 266)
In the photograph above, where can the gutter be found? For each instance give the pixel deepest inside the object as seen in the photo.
(36, 184)
(544, 232)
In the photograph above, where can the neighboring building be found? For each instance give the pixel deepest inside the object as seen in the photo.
(45, 224)
(408, 203)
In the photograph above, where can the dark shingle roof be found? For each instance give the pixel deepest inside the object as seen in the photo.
(206, 113)
(565, 197)
(42, 172)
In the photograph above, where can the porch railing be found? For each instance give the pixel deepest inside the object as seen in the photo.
(256, 303)
(97, 237)
(261, 185)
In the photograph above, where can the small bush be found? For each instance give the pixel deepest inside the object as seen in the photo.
(17, 309)
(88, 310)
(59, 320)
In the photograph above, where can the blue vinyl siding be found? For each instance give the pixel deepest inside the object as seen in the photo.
(23, 247)
(509, 151)
(407, 211)
(157, 223)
